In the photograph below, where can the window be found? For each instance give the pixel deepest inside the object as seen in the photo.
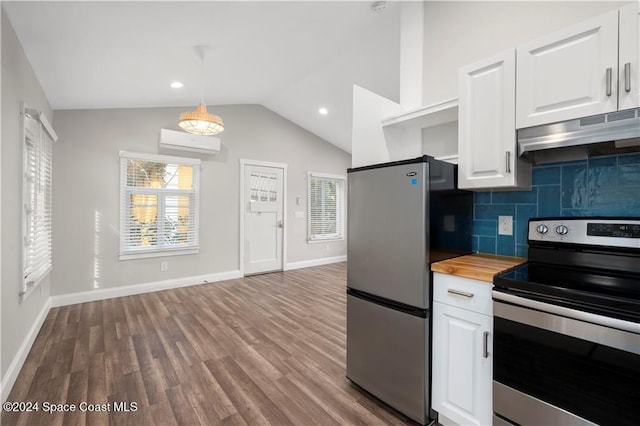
(326, 207)
(37, 170)
(158, 205)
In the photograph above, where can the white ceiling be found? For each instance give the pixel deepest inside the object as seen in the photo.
(291, 57)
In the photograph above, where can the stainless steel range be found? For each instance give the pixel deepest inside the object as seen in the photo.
(567, 326)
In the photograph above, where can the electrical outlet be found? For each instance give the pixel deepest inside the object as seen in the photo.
(505, 225)
(164, 266)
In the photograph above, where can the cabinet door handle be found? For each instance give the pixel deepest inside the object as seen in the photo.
(508, 164)
(609, 73)
(485, 344)
(627, 77)
(460, 293)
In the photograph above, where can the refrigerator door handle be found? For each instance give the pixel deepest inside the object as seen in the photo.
(387, 303)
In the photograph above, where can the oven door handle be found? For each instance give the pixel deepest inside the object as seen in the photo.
(624, 335)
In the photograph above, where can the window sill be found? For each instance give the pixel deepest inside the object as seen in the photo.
(24, 295)
(159, 253)
(326, 240)
(30, 288)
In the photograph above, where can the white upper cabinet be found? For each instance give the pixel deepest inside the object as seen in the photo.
(487, 154)
(570, 74)
(629, 68)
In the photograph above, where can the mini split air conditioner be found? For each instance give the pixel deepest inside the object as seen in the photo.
(182, 143)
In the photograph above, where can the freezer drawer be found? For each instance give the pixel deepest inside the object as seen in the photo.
(387, 355)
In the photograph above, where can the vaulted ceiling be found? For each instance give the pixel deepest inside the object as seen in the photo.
(291, 57)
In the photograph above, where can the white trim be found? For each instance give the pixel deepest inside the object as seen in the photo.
(341, 182)
(37, 115)
(34, 134)
(159, 157)
(109, 293)
(30, 287)
(11, 375)
(159, 253)
(327, 176)
(315, 262)
(246, 162)
(126, 253)
(325, 240)
(47, 127)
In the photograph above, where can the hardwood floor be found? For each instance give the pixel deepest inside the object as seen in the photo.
(266, 349)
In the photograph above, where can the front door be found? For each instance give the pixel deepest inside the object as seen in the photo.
(263, 218)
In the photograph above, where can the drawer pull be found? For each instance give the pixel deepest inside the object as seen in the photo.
(460, 293)
(627, 77)
(485, 344)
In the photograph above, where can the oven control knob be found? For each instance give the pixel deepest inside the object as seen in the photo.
(542, 229)
(562, 230)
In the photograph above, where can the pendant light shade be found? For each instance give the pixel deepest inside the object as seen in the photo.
(201, 122)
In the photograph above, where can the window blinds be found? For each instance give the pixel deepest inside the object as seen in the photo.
(37, 230)
(158, 205)
(326, 207)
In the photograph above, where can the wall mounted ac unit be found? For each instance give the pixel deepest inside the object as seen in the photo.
(182, 143)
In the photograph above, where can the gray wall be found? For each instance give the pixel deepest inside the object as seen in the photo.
(457, 33)
(86, 191)
(18, 84)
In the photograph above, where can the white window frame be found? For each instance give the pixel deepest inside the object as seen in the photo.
(127, 253)
(37, 200)
(340, 207)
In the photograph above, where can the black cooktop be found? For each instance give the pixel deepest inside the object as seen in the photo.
(613, 294)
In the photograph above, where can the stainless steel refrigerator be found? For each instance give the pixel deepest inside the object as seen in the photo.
(402, 216)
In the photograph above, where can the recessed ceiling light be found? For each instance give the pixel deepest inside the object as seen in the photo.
(176, 84)
(323, 111)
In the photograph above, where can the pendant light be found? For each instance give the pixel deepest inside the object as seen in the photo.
(200, 122)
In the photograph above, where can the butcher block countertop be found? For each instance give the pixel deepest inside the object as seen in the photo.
(477, 266)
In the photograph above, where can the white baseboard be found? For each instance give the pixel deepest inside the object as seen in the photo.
(109, 293)
(315, 262)
(18, 361)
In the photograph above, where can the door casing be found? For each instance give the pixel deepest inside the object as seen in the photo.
(246, 162)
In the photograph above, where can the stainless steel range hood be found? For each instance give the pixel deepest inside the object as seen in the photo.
(613, 133)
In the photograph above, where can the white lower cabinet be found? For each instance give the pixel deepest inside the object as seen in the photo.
(462, 360)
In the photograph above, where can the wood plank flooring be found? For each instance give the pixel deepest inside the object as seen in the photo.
(266, 349)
